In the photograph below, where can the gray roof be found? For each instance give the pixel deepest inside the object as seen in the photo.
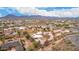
(74, 39)
(74, 30)
(10, 44)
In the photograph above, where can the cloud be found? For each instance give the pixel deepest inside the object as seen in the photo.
(4, 11)
(53, 12)
(73, 12)
(33, 11)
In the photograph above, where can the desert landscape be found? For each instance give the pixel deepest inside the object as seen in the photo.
(39, 33)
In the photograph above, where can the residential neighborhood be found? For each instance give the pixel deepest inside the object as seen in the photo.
(39, 35)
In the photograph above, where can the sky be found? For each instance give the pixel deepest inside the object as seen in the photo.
(42, 11)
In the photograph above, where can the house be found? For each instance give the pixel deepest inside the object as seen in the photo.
(20, 28)
(51, 37)
(12, 45)
(37, 35)
(74, 38)
(74, 30)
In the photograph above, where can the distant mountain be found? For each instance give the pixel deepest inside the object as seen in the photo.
(25, 17)
(10, 16)
(38, 17)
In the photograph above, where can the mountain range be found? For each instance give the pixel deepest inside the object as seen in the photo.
(37, 17)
